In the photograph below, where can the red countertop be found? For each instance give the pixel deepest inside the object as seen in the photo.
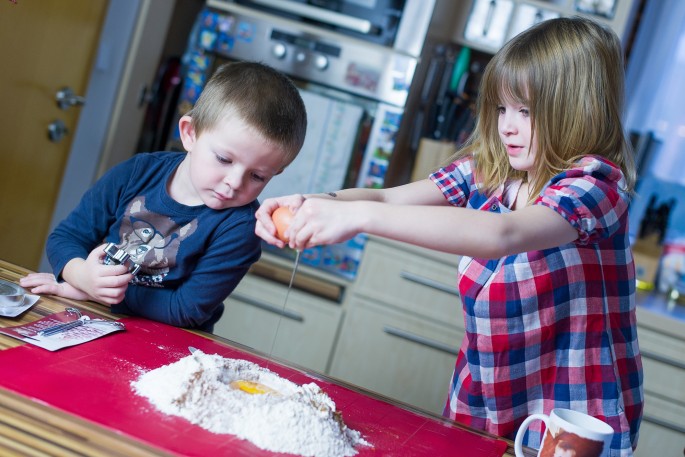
(93, 381)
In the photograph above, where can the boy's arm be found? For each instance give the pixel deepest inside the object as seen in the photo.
(88, 223)
(46, 283)
(74, 248)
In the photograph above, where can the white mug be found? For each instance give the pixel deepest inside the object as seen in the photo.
(569, 434)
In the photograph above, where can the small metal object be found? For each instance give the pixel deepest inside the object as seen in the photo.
(11, 294)
(57, 130)
(66, 98)
(73, 311)
(59, 328)
(80, 320)
(117, 256)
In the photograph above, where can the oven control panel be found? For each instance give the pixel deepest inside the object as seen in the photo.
(320, 56)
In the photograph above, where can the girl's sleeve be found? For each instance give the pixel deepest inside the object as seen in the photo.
(199, 298)
(88, 224)
(591, 197)
(455, 181)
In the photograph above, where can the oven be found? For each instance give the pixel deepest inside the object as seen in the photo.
(355, 93)
(398, 24)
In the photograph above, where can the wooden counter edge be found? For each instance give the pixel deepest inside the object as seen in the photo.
(31, 428)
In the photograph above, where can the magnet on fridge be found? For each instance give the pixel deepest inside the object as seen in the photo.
(488, 22)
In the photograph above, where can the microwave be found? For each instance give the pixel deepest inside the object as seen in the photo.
(398, 24)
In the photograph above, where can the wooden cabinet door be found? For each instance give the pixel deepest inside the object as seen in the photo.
(396, 354)
(45, 46)
(304, 330)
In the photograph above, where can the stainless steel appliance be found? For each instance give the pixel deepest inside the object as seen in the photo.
(398, 24)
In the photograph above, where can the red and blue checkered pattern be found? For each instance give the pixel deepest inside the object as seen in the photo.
(552, 328)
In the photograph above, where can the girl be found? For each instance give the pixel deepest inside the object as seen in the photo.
(537, 205)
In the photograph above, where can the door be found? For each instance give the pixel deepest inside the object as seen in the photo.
(45, 46)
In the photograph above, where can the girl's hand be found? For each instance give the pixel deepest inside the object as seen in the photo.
(265, 228)
(104, 284)
(46, 283)
(321, 221)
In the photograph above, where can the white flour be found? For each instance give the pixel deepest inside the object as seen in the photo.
(296, 419)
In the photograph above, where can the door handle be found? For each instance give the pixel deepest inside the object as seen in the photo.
(66, 98)
(57, 130)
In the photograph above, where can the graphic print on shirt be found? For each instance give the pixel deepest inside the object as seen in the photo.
(152, 240)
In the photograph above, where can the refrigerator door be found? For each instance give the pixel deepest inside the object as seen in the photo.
(322, 163)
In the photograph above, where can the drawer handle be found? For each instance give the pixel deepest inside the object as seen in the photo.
(419, 340)
(663, 423)
(662, 359)
(267, 307)
(429, 282)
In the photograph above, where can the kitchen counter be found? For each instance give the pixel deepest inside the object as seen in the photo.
(77, 401)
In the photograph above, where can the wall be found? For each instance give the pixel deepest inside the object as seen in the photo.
(655, 89)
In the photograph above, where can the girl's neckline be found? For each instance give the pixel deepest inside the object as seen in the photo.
(516, 194)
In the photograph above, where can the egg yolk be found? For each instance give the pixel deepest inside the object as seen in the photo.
(252, 387)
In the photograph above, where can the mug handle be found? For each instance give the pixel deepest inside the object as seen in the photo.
(518, 442)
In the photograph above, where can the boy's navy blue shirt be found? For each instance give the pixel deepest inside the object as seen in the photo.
(192, 257)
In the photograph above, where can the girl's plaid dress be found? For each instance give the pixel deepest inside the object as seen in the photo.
(551, 328)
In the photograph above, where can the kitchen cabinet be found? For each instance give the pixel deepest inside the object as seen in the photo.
(662, 343)
(305, 329)
(395, 330)
(485, 25)
(403, 326)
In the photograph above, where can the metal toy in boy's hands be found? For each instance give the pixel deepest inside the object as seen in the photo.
(117, 256)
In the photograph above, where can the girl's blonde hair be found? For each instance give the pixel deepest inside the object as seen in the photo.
(569, 73)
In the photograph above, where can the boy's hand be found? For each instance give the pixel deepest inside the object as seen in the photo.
(265, 228)
(46, 283)
(104, 284)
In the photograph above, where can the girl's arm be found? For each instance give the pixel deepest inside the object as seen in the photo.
(456, 230)
(422, 192)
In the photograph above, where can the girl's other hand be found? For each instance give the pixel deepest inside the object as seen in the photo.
(322, 221)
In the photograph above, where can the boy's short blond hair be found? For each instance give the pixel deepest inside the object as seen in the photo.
(259, 95)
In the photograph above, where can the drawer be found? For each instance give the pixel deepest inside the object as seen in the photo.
(667, 348)
(411, 281)
(664, 380)
(666, 413)
(657, 440)
(396, 354)
(307, 329)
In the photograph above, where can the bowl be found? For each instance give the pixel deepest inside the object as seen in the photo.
(11, 294)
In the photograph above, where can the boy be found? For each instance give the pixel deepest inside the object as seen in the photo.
(185, 219)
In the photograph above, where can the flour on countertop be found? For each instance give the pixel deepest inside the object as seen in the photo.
(296, 419)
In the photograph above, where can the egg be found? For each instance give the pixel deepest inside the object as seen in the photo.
(282, 218)
(252, 387)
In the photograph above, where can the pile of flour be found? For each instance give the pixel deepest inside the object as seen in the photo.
(295, 419)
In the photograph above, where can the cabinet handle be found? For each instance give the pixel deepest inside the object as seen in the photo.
(394, 331)
(267, 307)
(429, 282)
(662, 359)
(662, 423)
